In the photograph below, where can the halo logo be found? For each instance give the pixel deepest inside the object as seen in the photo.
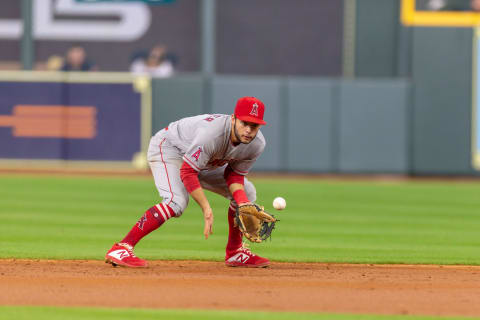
(254, 111)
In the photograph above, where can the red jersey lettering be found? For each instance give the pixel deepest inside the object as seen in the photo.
(212, 117)
(217, 162)
(196, 155)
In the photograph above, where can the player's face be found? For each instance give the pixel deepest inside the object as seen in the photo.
(243, 131)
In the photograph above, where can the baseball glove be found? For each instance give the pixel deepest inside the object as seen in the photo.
(255, 224)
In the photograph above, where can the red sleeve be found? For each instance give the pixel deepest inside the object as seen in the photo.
(189, 177)
(240, 196)
(233, 177)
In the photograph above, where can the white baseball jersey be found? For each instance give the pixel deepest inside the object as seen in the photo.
(204, 142)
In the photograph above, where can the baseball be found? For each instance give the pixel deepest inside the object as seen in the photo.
(279, 203)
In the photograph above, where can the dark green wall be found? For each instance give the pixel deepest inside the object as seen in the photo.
(376, 39)
(313, 124)
(439, 63)
(312, 117)
(175, 98)
(373, 123)
(419, 125)
(442, 73)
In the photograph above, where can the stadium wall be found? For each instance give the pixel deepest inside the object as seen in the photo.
(378, 39)
(441, 120)
(314, 124)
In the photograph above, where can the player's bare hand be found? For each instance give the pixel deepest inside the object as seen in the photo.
(208, 217)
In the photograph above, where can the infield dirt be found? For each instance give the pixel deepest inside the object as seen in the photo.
(312, 287)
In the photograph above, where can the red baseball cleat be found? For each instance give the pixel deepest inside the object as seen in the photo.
(121, 254)
(243, 257)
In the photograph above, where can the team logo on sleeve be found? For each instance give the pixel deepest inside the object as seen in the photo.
(196, 154)
(254, 111)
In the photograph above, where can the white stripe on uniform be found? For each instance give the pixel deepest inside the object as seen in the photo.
(161, 212)
(165, 210)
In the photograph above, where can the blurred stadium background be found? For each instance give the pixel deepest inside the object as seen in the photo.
(353, 86)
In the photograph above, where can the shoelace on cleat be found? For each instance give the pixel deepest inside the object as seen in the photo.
(129, 249)
(246, 249)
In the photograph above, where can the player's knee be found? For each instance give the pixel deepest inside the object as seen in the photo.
(178, 205)
(177, 201)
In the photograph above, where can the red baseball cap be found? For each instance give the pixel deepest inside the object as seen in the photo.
(250, 109)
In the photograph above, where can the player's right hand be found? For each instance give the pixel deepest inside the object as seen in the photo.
(208, 217)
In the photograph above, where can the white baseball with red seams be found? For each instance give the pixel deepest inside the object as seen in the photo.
(279, 203)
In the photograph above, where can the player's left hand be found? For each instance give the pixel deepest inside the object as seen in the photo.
(255, 224)
(208, 217)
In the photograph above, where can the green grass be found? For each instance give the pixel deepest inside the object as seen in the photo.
(325, 221)
(54, 313)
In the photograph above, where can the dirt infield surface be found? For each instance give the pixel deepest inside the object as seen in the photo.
(313, 287)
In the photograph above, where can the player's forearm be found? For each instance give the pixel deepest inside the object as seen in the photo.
(235, 183)
(235, 186)
(237, 191)
(199, 196)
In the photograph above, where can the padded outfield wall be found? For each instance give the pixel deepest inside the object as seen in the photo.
(410, 107)
(439, 52)
(314, 124)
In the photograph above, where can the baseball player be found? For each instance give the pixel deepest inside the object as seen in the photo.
(210, 151)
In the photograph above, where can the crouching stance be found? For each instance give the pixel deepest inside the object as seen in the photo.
(213, 152)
